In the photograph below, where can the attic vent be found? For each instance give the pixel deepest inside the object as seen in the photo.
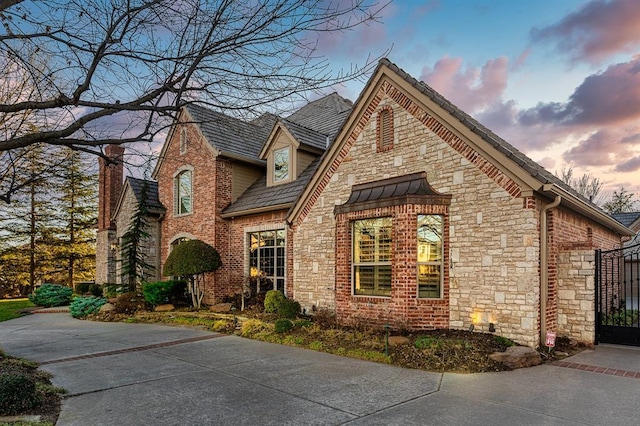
(184, 141)
(385, 129)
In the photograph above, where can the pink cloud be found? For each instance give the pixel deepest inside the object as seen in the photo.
(630, 165)
(596, 31)
(602, 148)
(471, 89)
(611, 97)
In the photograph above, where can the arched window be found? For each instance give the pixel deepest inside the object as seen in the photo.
(183, 192)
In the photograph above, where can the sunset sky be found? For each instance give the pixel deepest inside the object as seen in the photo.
(560, 80)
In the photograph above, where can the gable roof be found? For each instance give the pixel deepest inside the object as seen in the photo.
(524, 171)
(136, 185)
(325, 115)
(232, 137)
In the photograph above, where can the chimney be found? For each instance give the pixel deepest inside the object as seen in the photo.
(110, 182)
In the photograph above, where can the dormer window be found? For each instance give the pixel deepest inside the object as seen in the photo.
(184, 141)
(281, 164)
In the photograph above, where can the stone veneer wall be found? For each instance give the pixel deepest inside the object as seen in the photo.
(149, 247)
(493, 234)
(576, 295)
(105, 260)
(573, 240)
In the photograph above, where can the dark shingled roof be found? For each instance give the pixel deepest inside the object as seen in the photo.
(259, 195)
(306, 136)
(325, 115)
(153, 201)
(626, 218)
(233, 137)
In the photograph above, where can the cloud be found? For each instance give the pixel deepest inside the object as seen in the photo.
(471, 89)
(630, 165)
(611, 97)
(595, 32)
(602, 148)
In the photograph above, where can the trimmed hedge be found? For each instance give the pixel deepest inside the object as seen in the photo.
(272, 301)
(48, 295)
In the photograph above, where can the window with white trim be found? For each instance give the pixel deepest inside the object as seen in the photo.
(267, 259)
(183, 193)
(430, 255)
(281, 164)
(372, 250)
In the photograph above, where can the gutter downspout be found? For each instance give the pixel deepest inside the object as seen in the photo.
(544, 266)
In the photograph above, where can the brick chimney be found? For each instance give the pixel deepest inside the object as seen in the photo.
(110, 180)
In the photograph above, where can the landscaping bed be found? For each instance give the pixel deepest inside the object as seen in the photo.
(458, 351)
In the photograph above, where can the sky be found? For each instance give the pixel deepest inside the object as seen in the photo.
(558, 79)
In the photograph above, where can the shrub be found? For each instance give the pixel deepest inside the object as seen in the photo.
(17, 393)
(130, 303)
(272, 301)
(325, 318)
(160, 292)
(283, 325)
(82, 288)
(289, 308)
(83, 306)
(113, 290)
(48, 295)
(95, 290)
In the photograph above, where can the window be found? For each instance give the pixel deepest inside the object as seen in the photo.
(385, 129)
(175, 243)
(430, 232)
(266, 259)
(182, 192)
(184, 141)
(281, 164)
(372, 257)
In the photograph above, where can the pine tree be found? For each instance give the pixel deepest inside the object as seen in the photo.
(134, 265)
(77, 215)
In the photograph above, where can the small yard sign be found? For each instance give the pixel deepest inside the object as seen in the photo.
(551, 339)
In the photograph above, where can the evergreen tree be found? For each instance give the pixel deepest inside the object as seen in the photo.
(134, 265)
(77, 215)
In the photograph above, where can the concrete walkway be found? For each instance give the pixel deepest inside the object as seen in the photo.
(140, 374)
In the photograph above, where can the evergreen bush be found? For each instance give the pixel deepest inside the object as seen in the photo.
(289, 308)
(283, 325)
(83, 306)
(95, 290)
(17, 393)
(82, 288)
(48, 295)
(272, 301)
(159, 292)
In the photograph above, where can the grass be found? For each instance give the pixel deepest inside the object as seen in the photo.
(10, 308)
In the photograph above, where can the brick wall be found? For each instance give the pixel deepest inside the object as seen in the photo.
(571, 289)
(493, 234)
(207, 200)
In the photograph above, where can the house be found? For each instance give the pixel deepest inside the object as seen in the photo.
(397, 209)
(632, 221)
(119, 200)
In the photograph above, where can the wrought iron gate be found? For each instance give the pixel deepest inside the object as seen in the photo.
(618, 295)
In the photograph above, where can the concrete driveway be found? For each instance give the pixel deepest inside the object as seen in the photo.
(140, 374)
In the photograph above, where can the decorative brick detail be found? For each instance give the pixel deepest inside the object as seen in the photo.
(430, 123)
(403, 310)
(493, 247)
